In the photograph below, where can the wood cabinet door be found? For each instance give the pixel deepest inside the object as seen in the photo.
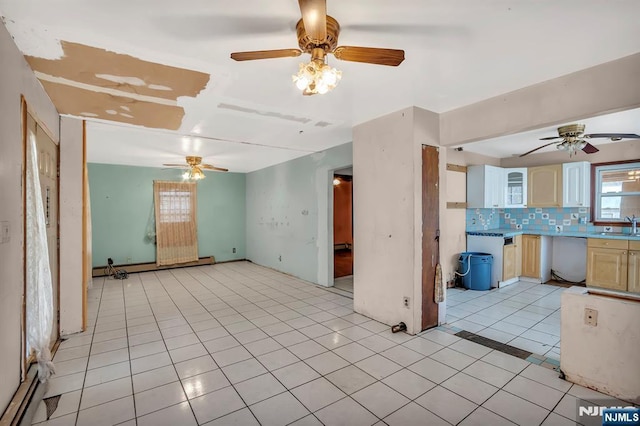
(518, 244)
(508, 262)
(633, 282)
(607, 268)
(544, 186)
(531, 256)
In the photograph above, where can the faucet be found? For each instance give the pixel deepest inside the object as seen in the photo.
(634, 224)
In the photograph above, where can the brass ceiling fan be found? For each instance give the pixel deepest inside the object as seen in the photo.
(195, 167)
(572, 138)
(318, 35)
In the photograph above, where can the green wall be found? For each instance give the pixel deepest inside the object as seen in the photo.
(122, 209)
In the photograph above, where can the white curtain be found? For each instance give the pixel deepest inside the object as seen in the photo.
(39, 286)
(176, 236)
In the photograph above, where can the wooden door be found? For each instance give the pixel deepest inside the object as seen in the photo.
(430, 234)
(508, 262)
(531, 256)
(47, 154)
(544, 186)
(607, 268)
(342, 226)
(517, 242)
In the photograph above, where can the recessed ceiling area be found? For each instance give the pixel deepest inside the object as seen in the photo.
(249, 115)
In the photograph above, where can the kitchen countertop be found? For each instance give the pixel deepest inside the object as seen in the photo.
(508, 232)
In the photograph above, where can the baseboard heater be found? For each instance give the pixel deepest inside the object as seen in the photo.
(101, 271)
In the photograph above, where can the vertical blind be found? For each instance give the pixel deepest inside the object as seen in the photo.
(175, 211)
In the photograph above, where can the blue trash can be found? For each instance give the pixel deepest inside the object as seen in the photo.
(476, 270)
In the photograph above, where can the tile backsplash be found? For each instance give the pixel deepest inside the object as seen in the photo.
(482, 219)
(560, 219)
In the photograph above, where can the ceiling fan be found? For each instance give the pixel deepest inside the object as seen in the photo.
(195, 167)
(573, 139)
(318, 35)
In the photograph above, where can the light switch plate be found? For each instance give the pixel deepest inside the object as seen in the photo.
(590, 317)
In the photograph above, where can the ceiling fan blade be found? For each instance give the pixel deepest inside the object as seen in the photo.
(265, 54)
(314, 17)
(176, 165)
(590, 149)
(550, 138)
(612, 135)
(540, 147)
(210, 167)
(370, 55)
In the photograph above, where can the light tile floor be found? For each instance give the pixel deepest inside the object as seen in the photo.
(239, 344)
(523, 314)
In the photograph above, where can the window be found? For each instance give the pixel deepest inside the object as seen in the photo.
(175, 214)
(616, 192)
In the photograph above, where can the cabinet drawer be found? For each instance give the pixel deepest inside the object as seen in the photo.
(603, 243)
(634, 245)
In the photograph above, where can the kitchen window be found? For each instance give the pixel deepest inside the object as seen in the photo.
(616, 192)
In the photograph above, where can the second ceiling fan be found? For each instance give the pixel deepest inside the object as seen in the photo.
(572, 138)
(318, 35)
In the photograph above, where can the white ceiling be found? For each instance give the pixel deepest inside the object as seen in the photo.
(457, 53)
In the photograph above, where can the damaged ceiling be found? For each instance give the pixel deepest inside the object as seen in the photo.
(157, 83)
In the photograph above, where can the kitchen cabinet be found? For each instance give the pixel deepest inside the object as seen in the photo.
(530, 255)
(607, 263)
(536, 258)
(544, 186)
(633, 274)
(576, 184)
(516, 188)
(509, 262)
(485, 187)
(512, 259)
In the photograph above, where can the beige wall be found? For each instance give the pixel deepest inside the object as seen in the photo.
(16, 79)
(606, 88)
(384, 217)
(602, 357)
(71, 181)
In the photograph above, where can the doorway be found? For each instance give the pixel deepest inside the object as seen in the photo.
(343, 229)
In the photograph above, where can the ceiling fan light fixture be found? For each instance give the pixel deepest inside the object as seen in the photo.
(316, 77)
(193, 173)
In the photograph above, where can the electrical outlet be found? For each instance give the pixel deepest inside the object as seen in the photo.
(405, 302)
(590, 317)
(280, 258)
(129, 260)
(233, 250)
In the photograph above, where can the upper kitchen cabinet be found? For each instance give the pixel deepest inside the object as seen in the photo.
(544, 186)
(485, 187)
(576, 184)
(516, 184)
